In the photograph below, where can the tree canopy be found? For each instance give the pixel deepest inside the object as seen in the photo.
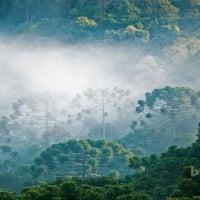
(77, 20)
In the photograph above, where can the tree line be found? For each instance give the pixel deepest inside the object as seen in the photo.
(173, 175)
(104, 19)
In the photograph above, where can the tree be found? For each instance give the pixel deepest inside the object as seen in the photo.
(189, 13)
(158, 12)
(170, 108)
(107, 102)
(42, 192)
(134, 196)
(82, 27)
(187, 186)
(69, 190)
(124, 11)
(84, 158)
(8, 196)
(169, 173)
(182, 50)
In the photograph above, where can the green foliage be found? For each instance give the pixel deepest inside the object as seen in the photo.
(82, 27)
(41, 192)
(134, 196)
(76, 189)
(106, 19)
(168, 116)
(84, 22)
(124, 11)
(169, 173)
(156, 177)
(69, 190)
(8, 196)
(142, 141)
(135, 163)
(187, 186)
(84, 158)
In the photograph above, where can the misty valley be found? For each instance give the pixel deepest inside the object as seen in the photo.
(100, 100)
(98, 137)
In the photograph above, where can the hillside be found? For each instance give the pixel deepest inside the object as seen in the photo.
(147, 21)
(100, 99)
(174, 176)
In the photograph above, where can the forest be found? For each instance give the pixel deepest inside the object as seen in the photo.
(146, 21)
(39, 165)
(99, 100)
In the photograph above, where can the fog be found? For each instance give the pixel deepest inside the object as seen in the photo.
(34, 70)
(37, 66)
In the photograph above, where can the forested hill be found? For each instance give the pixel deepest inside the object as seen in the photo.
(173, 175)
(109, 20)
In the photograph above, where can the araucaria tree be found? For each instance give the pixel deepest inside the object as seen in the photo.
(172, 109)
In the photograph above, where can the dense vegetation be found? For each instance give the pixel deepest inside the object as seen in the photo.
(32, 153)
(99, 188)
(172, 175)
(110, 20)
(85, 158)
(35, 123)
(148, 151)
(167, 116)
(162, 173)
